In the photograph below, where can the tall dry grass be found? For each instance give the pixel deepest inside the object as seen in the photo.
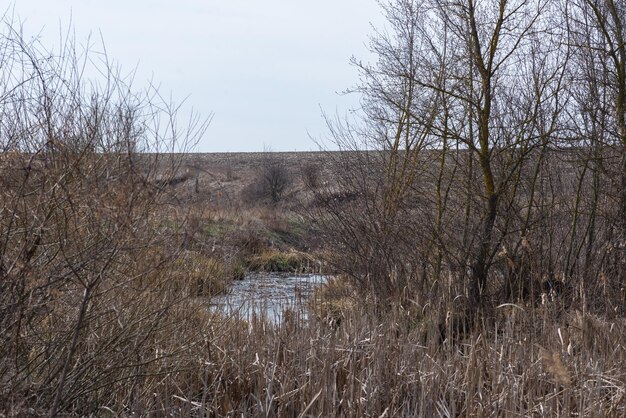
(520, 363)
(370, 363)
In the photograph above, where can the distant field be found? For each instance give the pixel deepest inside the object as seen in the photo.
(223, 176)
(244, 162)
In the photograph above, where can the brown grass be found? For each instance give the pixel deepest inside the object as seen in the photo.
(376, 364)
(351, 358)
(283, 262)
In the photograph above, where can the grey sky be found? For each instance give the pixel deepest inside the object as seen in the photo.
(263, 67)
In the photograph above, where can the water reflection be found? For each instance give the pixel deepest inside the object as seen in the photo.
(268, 295)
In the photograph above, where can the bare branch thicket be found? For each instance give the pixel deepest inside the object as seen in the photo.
(461, 107)
(598, 123)
(86, 307)
(495, 148)
(371, 220)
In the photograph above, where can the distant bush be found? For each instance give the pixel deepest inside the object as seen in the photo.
(310, 173)
(272, 181)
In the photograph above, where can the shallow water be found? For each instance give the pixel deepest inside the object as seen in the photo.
(267, 295)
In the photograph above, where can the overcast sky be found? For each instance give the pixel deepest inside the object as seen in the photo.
(265, 68)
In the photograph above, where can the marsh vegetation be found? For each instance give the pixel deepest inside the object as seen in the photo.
(472, 225)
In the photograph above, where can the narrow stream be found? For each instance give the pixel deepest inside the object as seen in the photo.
(268, 295)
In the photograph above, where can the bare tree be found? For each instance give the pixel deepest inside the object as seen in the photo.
(463, 94)
(274, 176)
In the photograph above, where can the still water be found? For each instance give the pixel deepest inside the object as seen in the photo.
(268, 295)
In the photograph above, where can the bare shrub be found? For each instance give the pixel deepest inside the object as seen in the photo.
(274, 178)
(87, 307)
(311, 175)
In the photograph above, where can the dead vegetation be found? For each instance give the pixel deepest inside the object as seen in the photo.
(395, 365)
(111, 244)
